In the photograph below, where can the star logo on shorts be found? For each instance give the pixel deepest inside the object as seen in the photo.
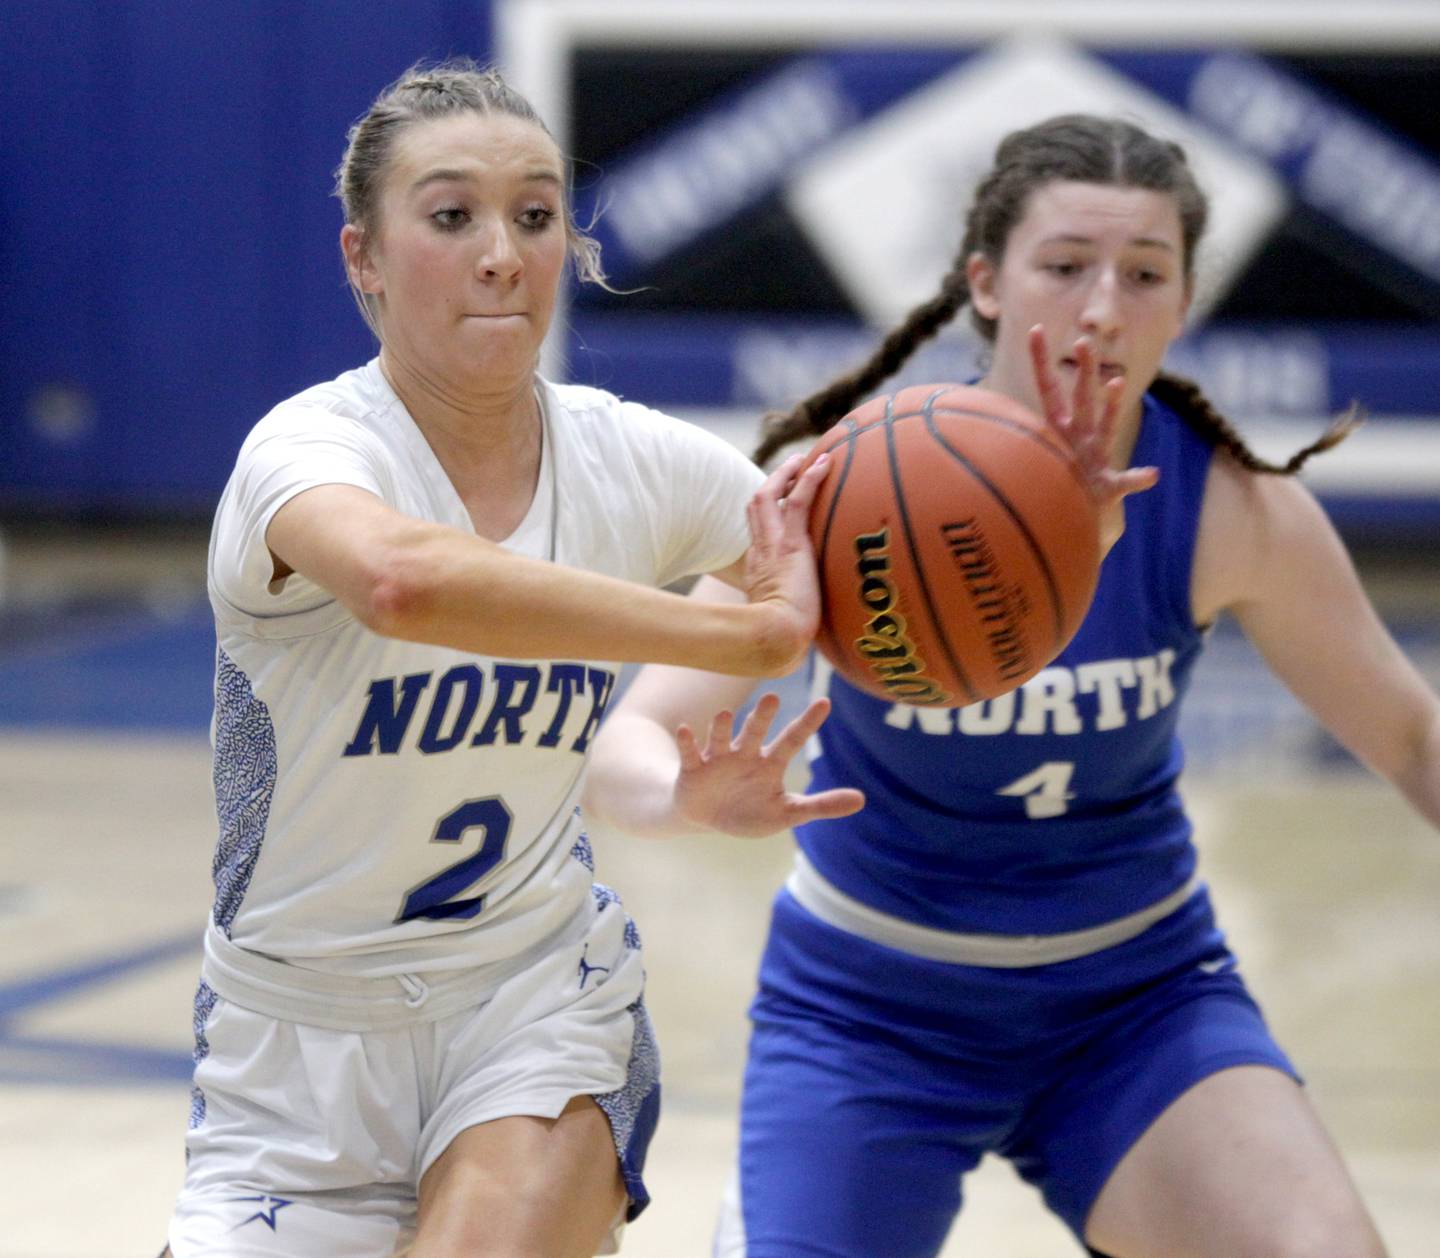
(267, 1208)
(586, 969)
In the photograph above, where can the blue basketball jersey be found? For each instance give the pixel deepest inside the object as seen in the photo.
(1054, 807)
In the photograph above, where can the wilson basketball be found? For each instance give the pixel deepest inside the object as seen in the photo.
(957, 545)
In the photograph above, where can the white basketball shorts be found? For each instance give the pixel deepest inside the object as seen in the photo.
(309, 1141)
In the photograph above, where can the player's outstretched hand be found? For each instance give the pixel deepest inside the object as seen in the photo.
(735, 783)
(780, 564)
(1087, 422)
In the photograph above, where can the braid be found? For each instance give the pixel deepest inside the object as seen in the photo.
(819, 411)
(1186, 399)
(1075, 147)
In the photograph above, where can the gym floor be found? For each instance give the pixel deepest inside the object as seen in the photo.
(1325, 881)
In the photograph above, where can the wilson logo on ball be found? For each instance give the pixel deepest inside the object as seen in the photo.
(957, 542)
(885, 644)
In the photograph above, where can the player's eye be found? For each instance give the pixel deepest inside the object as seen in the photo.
(537, 218)
(450, 218)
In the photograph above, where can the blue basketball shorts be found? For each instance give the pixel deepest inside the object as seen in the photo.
(876, 1079)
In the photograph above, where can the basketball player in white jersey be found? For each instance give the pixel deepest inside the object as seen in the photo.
(419, 1023)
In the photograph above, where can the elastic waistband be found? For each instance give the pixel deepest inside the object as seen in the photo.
(342, 1002)
(832, 906)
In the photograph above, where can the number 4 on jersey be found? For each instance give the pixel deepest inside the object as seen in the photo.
(1046, 791)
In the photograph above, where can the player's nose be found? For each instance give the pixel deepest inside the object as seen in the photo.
(498, 256)
(1100, 315)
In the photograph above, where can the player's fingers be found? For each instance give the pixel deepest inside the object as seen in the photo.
(793, 736)
(778, 484)
(1111, 393)
(824, 805)
(690, 757)
(1136, 479)
(756, 524)
(757, 724)
(802, 492)
(1096, 448)
(765, 520)
(1082, 396)
(1052, 399)
(722, 730)
(763, 512)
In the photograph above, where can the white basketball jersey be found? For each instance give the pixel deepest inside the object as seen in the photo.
(391, 807)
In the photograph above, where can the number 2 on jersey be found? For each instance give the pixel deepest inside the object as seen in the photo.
(431, 898)
(1046, 791)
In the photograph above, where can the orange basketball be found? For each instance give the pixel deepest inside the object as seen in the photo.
(957, 544)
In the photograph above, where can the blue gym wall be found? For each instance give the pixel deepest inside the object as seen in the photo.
(169, 266)
(168, 257)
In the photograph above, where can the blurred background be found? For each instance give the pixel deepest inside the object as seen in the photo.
(776, 181)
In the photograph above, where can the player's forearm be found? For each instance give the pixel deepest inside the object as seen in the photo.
(453, 591)
(1419, 779)
(630, 780)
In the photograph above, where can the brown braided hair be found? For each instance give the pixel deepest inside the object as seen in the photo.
(1186, 399)
(1073, 147)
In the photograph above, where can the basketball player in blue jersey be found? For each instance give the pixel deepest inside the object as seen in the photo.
(419, 1022)
(1007, 949)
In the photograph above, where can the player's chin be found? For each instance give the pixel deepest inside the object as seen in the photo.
(490, 352)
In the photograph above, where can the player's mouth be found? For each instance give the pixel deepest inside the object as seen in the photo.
(1105, 370)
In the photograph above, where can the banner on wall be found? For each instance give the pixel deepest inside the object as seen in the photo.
(772, 195)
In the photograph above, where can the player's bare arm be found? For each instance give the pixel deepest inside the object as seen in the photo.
(1268, 554)
(428, 583)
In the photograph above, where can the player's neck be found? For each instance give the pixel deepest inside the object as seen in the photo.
(471, 430)
(489, 446)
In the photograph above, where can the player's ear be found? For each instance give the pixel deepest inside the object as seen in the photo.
(980, 275)
(358, 263)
